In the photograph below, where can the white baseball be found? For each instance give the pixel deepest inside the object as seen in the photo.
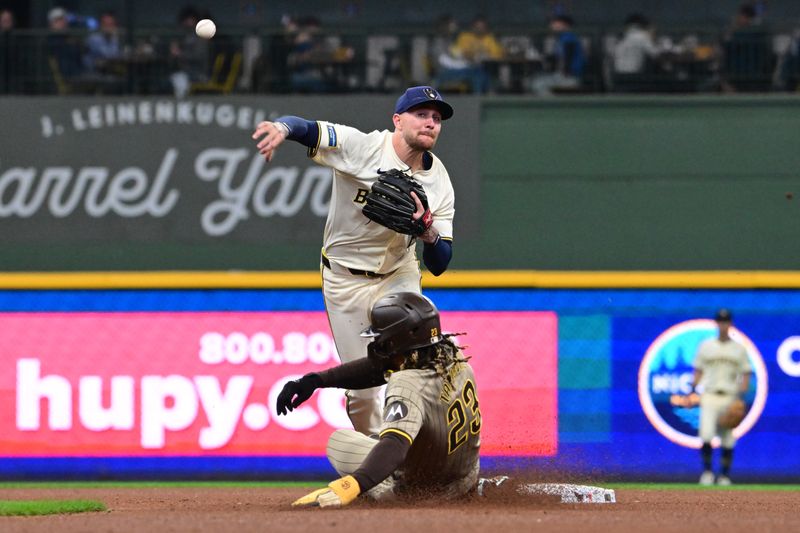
(206, 28)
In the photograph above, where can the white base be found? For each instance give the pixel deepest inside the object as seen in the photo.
(570, 493)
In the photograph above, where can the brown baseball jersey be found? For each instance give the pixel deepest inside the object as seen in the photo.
(440, 418)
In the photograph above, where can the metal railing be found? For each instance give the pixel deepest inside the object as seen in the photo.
(33, 62)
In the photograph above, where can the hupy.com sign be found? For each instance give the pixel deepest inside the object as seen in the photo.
(205, 383)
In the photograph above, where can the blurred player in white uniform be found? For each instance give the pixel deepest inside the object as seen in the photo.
(723, 368)
(361, 260)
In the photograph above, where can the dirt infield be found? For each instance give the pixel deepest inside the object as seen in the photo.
(241, 510)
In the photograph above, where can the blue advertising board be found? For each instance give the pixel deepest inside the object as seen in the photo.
(622, 356)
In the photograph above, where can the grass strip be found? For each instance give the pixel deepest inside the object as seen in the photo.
(44, 507)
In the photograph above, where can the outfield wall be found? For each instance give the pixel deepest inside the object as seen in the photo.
(615, 183)
(182, 383)
(158, 282)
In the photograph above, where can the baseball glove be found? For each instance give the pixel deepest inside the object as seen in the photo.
(390, 203)
(733, 416)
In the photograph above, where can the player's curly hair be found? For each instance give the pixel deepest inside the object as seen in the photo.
(439, 357)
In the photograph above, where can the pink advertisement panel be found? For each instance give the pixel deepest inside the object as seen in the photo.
(192, 384)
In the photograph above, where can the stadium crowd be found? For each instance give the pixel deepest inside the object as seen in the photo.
(98, 55)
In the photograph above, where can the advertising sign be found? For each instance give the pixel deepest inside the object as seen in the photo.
(154, 383)
(666, 374)
(183, 384)
(169, 177)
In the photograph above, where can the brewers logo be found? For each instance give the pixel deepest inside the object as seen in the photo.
(666, 373)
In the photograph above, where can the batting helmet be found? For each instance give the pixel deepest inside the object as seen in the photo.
(402, 322)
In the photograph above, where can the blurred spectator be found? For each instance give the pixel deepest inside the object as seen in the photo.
(103, 46)
(451, 70)
(7, 24)
(189, 53)
(637, 48)
(747, 54)
(466, 57)
(478, 43)
(271, 67)
(7, 21)
(790, 67)
(567, 59)
(635, 55)
(65, 51)
(313, 58)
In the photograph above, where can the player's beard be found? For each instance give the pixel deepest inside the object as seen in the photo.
(421, 142)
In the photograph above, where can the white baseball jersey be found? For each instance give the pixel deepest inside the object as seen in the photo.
(722, 364)
(351, 239)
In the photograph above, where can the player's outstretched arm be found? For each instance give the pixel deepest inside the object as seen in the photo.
(294, 393)
(355, 375)
(269, 136)
(272, 134)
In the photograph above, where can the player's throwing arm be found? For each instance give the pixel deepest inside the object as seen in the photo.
(272, 135)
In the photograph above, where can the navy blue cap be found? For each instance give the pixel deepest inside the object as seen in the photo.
(423, 94)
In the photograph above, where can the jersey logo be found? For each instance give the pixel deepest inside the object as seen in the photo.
(331, 136)
(361, 196)
(396, 411)
(381, 171)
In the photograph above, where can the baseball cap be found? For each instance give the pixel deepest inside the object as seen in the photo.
(56, 13)
(423, 94)
(723, 315)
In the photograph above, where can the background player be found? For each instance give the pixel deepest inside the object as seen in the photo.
(432, 420)
(723, 368)
(361, 260)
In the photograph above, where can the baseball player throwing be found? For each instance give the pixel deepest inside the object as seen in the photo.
(362, 260)
(430, 436)
(723, 368)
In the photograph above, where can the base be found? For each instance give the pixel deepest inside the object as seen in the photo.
(566, 492)
(570, 493)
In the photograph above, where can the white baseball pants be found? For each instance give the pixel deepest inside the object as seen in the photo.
(348, 301)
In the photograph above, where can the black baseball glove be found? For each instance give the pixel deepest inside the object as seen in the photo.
(390, 203)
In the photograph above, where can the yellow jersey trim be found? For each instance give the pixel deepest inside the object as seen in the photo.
(292, 279)
(399, 432)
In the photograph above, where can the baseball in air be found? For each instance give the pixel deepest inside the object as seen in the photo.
(205, 29)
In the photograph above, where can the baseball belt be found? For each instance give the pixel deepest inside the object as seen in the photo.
(354, 271)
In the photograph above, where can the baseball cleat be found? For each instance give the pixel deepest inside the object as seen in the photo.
(707, 478)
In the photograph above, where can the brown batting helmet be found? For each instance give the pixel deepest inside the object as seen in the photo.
(402, 322)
